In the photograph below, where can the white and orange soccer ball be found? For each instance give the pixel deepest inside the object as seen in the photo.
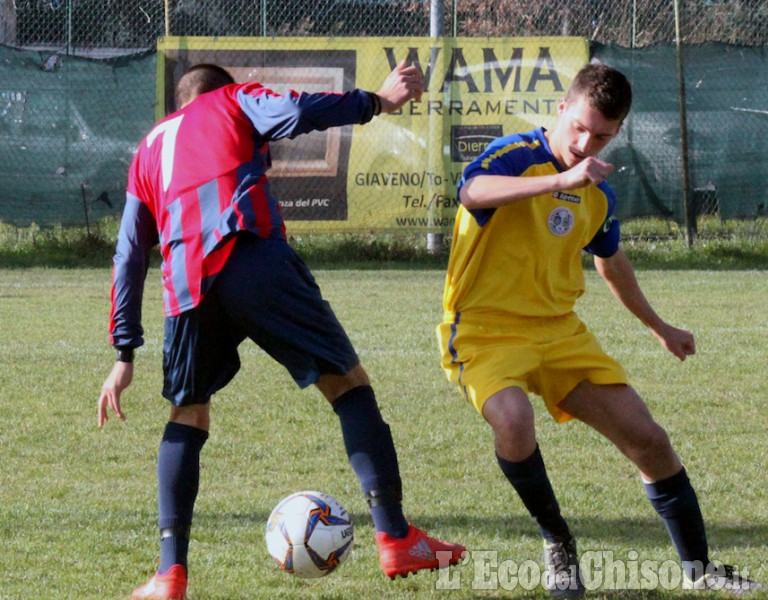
(309, 534)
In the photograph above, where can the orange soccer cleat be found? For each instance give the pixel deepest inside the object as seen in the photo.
(416, 551)
(171, 585)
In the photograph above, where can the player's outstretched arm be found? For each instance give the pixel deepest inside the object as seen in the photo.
(404, 83)
(620, 277)
(119, 378)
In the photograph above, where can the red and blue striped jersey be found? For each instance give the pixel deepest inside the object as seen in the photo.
(199, 177)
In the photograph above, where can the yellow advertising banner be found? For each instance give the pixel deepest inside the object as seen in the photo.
(400, 171)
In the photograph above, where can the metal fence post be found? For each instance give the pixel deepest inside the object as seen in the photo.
(263, 18)
(435, 238)
(69, 28)
(690, 210)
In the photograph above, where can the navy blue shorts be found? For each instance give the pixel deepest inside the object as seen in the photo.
(266, 293)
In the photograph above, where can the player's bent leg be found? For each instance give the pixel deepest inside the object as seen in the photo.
(368, 441)
(511, 416)
(618, 413)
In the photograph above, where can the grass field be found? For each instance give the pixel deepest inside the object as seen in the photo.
(77, 504)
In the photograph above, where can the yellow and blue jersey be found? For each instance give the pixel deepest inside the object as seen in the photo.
(524, 259)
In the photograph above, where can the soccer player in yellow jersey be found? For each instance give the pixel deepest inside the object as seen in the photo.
(529, 205)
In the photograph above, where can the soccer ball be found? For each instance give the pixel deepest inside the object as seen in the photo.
(309, 534)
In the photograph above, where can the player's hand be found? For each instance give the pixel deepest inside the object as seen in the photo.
(590, 170)
(402, 84)
(119, 378)
(678, 341)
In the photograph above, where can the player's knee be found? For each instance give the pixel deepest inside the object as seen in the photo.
(334, 386)
(509, 416)
(651, 446)
(514, 433)
(193, 415)
(656, 438)
(357, 376)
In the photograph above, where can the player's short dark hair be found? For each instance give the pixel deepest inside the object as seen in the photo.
(606, 89)
(200, 79)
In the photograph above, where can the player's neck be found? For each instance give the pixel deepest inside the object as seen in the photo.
(554, 145)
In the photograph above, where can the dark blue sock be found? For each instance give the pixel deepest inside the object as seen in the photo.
(371, 453)
(173, 551)
(178, 478)
(530, 480)
(675, 500)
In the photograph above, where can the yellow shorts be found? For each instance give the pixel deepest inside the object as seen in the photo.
(546, 356)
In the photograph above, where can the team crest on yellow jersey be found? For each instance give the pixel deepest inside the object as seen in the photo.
(560, 220)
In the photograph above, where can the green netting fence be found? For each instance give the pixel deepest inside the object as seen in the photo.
(78, 88)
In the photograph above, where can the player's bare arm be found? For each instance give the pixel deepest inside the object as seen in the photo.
(620, 277)
(118, 379)
(404, 83)
(492, 191)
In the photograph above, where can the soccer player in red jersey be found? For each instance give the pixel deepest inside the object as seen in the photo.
(198, 188)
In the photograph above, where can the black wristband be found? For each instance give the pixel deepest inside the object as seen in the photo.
(376, 103)
(124, 354)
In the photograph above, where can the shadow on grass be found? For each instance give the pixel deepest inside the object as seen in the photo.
(604, 534)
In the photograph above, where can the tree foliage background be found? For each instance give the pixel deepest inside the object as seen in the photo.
(137, 23)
